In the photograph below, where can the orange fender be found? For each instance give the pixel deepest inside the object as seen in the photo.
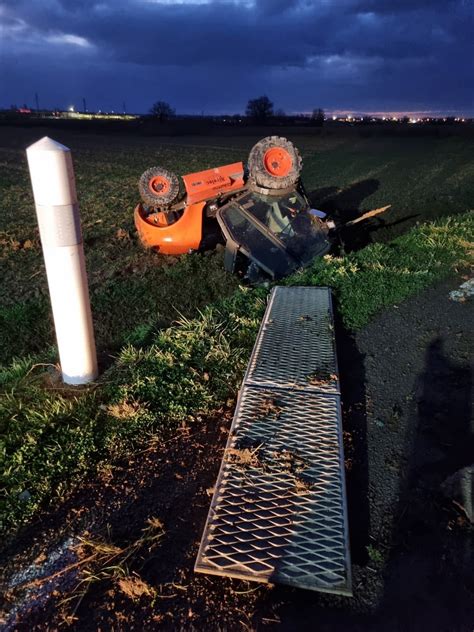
(208, 184)
(171, 239)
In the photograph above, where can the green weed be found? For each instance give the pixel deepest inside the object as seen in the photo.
(375, 555)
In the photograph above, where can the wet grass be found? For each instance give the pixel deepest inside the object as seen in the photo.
(52, 437)
(421, 178)
(163, 373)
(381, 275)
(132, 290)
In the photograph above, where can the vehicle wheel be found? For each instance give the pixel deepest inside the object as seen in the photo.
(274, 163)
(159, 188)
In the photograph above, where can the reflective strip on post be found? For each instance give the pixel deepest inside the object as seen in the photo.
(54, 190)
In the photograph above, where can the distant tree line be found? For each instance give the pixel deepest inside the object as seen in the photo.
(260, 110)
(162, 111)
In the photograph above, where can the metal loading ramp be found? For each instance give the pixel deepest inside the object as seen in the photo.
(279, 513)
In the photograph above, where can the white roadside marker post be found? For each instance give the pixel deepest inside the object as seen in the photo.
(54, 191)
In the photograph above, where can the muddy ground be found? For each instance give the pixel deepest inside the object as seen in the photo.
(407, 386)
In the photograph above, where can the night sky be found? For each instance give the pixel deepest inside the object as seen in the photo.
(211, 56)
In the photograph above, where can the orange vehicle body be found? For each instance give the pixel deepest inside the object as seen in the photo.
(171, 239)
(185, 234)
(205, 185)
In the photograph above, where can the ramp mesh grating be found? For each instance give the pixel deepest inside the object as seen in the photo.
(295, 346)
(279, 513)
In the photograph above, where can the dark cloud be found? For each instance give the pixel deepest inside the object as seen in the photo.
(214, 56)
(276, 7)
(405, 6)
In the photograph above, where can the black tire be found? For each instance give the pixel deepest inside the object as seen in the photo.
(259, 171)
(151, 194)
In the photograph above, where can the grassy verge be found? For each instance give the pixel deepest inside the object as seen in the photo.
(51, 433)
(126, 307)
(131, 288)
(52, 436)
(380, 275)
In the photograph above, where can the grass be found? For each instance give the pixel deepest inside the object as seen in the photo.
(375, 555)
(163, 373)
(52, 437)
(422, 178)
(380, 275)
(151, 290)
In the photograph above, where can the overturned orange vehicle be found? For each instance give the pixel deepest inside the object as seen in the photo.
(262, 210)
(172, 223)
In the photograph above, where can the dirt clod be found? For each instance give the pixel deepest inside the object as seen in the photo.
(269, 407)
(134, 587)
(321, 378)
(244, 456)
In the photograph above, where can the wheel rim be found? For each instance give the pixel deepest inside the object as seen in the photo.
(159, 185)
(277, 162)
